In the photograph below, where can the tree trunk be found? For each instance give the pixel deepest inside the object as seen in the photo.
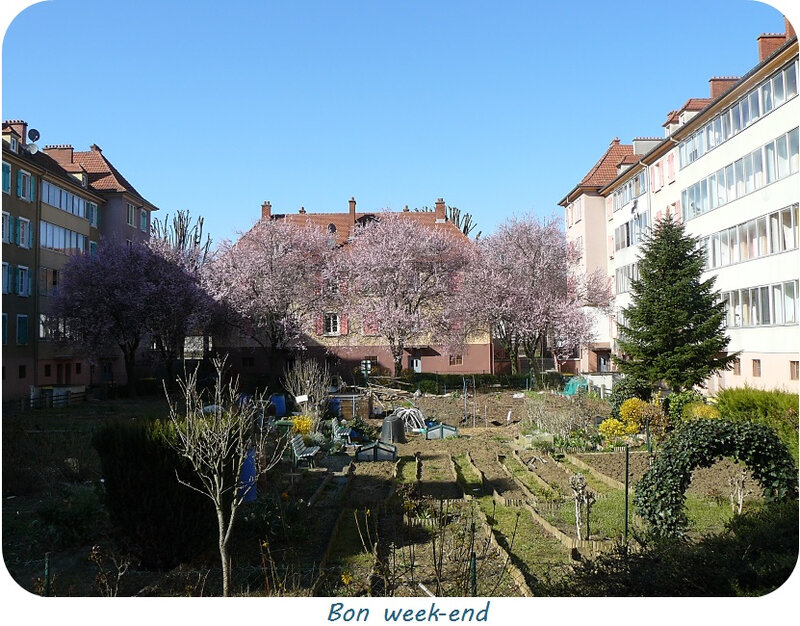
(223, 553)
(130, 365)
(513, 354)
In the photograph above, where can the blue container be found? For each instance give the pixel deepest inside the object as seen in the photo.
(336, 406)
(279, 402)
(248, 490)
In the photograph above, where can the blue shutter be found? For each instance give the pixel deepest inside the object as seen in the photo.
(10, 229)
(14, 279)
(19, 184)
(16, 232)
(32, 184)
(91, 213)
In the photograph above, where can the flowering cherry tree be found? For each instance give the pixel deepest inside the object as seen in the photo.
(121, 296)
(270, 281)
(520, 286)
(399, 277)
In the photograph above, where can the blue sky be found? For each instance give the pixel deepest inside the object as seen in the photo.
(499, 107)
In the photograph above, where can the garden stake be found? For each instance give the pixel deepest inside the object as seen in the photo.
(625, 538)
(47, 574)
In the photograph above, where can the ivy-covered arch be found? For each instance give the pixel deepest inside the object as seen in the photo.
(661, 493)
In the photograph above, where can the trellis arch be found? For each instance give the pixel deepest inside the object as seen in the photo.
(661, 493)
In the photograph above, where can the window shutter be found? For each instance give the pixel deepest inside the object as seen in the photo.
(30, 235)
(91, 214)
(11, 229)
(678, 216)
(32, 190)
(319, 325)
(671, 167)
(343, 325)
(610, 246)
(652, 177)
(19, 184)
(97, 218)
(14, 279)
(16, 232)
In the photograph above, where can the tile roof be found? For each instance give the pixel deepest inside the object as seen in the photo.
(692, 104)
(344, 225)
(103, 176)
(605, 170)
(629, 159)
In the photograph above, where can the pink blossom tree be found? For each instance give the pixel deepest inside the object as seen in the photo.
(521, 288)
(119, 297)
(399, 277)
(270, 281)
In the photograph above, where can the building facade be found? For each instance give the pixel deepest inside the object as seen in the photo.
(56, 203)
(728, 168)
(349, 343)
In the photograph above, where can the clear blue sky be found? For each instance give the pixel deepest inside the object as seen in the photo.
(499, 107)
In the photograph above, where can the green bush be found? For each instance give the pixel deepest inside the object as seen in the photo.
(75, 518)
(168, 522)
(677, 401)
(626, 388)
(774, 408)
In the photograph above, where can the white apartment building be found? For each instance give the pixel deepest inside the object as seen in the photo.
(728, 167)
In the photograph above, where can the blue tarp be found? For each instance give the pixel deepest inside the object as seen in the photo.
(279, 402)
(573, 384)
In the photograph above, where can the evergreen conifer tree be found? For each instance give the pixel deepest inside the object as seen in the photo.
(675, 325)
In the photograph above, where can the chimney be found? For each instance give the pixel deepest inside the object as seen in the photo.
(405, 209)
(61, 153)
(95, 148)
(21, 128)
(720, 84)
(789, 29)
(439, 209)
(302, 210)
(769, 43)
(352, 210)
(266, 210)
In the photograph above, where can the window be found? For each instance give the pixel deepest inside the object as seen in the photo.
(22, 331)
(24, 185)
(92, 248)
(7, 228)
(6, 178)
(48, 282)
(143, 220)
(48, 370)
(24, 234)
(77, 368)
(23, 371)
(23, 281)
(794, 370)
(737, 367)
(456, 359)
(756, 368)
(331, 324)
(62, 240)
(14, 144)
(131, 215)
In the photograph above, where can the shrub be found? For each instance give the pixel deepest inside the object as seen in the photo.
(628, 387)
(611, 429)
(633, 414)
(74, 519)
(427, 386)
(302, 424)
(167, 521)
(774, 408)
(700, 410)
(677, 401)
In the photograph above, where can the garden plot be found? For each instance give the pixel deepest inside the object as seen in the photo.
(371, 483)
(437, 479)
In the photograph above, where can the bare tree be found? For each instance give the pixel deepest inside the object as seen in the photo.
(306, 377)
(218, 441)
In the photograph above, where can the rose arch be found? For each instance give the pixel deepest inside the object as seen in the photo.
(661, 493)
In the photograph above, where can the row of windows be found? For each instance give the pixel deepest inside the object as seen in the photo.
(48, 281)
(16, 280)
(768, 305)
(17, 230)
(60, 239)
(625, 275)
(22, 330)
(772, 93)
(773, 161)
(768, 234)
(631, 232)
(794, 368)
(634, 188)
(70, 202)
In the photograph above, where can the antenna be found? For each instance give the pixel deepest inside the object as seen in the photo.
(33, 148)
(33, 135)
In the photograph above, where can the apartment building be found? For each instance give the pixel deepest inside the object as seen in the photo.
(727, 167)
(56, 203)
(347, 343)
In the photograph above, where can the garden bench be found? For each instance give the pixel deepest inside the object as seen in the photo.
(301, 452)
(341, 433)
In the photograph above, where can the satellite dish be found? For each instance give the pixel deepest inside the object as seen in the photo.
(33, 134)
(33, 148)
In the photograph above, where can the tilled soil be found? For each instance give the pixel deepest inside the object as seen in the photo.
(547, 469)
(706, 481)
(370, 484)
